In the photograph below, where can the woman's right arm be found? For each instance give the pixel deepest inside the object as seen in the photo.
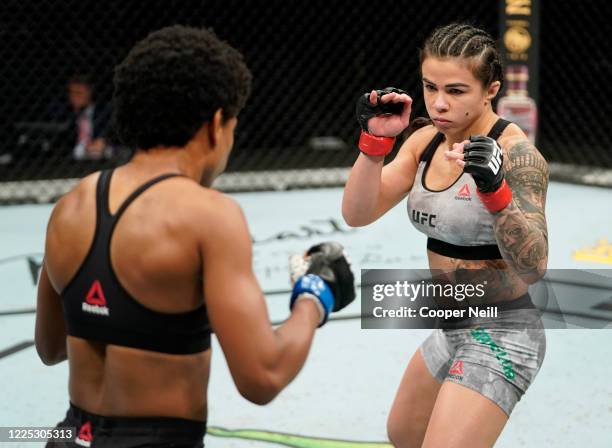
(373, 188)
(261, 360)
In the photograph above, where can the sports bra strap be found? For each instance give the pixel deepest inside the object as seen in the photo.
(139, 191)
(494, 133)
(431, 147)
(498, 128)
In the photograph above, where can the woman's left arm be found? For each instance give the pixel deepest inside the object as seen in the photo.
(520, 228)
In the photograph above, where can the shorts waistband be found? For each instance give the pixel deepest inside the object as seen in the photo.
(185, 426)
(520, 303)
(523, 302)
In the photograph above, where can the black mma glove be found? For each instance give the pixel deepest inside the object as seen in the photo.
(369, 144)
(484, 160)
(365, 110)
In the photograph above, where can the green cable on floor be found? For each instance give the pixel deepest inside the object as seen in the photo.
(291, 440)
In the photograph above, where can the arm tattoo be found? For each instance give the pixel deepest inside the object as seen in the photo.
(520, 228)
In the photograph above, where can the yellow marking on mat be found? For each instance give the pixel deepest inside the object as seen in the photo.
(600, 253)
(291, 440)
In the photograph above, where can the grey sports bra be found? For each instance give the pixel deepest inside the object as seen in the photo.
(454, 219)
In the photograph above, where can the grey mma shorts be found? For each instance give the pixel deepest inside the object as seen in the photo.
(499, 363)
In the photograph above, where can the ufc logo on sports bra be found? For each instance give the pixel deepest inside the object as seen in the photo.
(423, 218)
(495, 163)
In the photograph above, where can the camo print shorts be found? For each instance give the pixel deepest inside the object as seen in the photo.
(499, 363)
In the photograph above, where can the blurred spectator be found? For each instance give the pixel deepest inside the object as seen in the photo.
(87, 121)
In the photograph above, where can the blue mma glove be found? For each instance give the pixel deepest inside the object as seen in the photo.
(328, 279)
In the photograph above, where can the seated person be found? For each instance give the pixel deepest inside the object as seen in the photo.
(87, 121)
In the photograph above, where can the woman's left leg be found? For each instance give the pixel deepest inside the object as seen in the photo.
(463, 418)
(491, 370)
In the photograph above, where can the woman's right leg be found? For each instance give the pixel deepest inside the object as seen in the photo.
(413, 404)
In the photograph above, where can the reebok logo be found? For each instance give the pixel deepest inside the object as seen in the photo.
(464, 194)
(85, 436)
(95, 302)
(456, 370)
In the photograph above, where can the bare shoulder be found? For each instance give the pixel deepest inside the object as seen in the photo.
(525, 170)
(70, 228)
(218, 216)
(210, 201)
(66, 209)
(416, 143)
(222, 231)
(520, 152)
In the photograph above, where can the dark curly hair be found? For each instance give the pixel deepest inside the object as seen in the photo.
(172, 82)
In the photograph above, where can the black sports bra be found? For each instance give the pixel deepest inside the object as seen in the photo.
(97, 307)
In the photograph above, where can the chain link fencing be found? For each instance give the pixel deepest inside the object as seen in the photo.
(310, 60)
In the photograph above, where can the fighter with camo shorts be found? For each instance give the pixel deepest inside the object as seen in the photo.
(481, 185)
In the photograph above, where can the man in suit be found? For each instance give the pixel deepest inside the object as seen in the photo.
(87, 121)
